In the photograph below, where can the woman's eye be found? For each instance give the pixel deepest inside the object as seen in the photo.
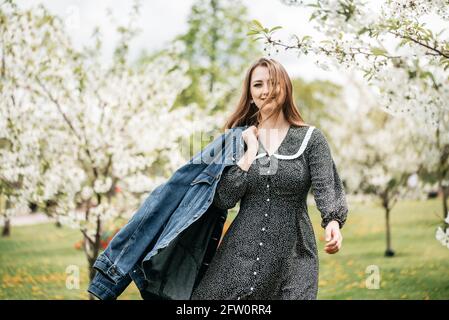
(257, 85)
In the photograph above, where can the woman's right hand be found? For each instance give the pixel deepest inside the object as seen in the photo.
(250, 137)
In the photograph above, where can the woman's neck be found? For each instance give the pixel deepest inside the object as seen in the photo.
(274, 123)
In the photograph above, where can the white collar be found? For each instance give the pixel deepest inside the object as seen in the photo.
(297, 154)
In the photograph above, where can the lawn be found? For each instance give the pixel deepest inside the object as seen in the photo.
(34, 260)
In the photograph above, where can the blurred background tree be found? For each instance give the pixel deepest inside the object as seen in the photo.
(218, 52)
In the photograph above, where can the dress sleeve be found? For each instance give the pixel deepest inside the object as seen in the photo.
(327, 187)
(231, 187)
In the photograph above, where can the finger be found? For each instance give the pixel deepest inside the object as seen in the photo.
(331, 246)
(332, 242)
(338, 245)
(255, 131)
(332, 250)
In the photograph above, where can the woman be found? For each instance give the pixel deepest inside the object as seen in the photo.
(269, 251)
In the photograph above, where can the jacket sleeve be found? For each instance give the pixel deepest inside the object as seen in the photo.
(327, 187)
(231, 187)
(104, 289)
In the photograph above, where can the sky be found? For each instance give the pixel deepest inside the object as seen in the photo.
(162, 20)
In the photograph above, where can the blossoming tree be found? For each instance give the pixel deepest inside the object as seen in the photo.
(377, 151)
(400, 46)
(109, 133)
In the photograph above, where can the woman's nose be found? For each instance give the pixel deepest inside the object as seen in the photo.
(265, 90)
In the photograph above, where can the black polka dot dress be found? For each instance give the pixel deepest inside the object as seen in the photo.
(269, 250)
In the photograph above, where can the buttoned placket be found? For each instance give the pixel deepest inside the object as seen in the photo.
(264, 228)
(263, 232)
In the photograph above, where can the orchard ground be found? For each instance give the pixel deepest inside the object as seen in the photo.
(36, 261)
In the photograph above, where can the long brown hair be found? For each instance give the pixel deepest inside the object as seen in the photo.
(247, 113)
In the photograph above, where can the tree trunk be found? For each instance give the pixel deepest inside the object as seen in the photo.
(7, 228)
(92, 250)
(88, 249)
(92, 273)
(445, 193)
(389, 252)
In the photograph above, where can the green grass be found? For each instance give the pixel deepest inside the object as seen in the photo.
(34, 262)
(419, 269)
(34, 259)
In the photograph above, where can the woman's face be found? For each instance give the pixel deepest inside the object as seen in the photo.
(260, 87)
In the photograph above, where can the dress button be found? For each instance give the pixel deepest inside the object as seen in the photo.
(238, 298)
(257, 258)
(268, 185)
(255, 273)
(268, 199)
(260, 244)
(251, 288)
(263, 229)
(268, 171)
(266, 214)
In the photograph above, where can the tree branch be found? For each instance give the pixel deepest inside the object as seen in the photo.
(437, 51)
(58, 106)
(83, 231)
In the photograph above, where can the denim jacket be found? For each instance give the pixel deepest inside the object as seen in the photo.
(166, 246)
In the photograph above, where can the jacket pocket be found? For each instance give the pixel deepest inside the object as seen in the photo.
(203, 178)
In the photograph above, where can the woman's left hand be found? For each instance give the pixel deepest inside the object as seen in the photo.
(333, 237)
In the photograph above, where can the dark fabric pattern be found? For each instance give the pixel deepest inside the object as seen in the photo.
(269, 251)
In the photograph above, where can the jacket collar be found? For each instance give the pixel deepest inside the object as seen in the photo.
(222, 152)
